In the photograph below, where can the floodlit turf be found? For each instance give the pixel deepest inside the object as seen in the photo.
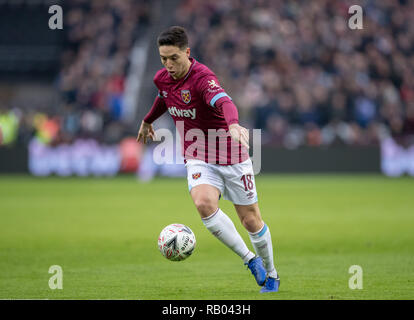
(103, 233)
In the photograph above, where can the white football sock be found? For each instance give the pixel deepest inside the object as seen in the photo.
(262, 244)
(221, 226)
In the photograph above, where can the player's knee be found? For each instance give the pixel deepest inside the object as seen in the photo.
(205, 206)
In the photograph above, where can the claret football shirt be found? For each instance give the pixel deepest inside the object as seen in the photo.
(192, 103)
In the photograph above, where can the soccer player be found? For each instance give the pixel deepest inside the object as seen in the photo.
(199, 106)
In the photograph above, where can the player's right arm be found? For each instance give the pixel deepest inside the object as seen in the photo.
(146, 129)
(158, 108)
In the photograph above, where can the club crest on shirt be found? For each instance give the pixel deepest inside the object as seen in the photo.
(186, 96)
(196, 175)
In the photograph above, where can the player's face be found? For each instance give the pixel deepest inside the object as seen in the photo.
(175, 60)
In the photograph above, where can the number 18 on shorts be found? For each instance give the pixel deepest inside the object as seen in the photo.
(235, 182)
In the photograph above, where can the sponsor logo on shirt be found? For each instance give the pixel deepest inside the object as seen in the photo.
(189, 113)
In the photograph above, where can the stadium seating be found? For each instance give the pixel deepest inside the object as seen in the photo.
(294, 69)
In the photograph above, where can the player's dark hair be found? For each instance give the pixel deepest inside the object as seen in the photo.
(173, 36)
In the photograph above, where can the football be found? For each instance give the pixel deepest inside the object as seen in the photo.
(176, 242)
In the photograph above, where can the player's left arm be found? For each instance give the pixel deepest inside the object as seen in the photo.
(238, 133)
(215, 96)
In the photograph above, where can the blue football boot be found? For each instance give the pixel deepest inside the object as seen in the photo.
(271, 285)
(258, 270)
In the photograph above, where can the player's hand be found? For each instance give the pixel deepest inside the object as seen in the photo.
(145, 132)
(239, 134)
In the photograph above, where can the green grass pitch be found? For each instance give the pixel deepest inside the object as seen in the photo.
(103, 233)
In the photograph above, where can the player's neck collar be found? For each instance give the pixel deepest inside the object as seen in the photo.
(193, 62)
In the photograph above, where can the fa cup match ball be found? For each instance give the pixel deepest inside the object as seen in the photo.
(176, 242)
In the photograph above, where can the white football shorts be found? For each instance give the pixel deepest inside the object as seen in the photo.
(235, 182)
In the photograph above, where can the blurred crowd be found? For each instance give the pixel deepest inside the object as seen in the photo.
(297, 71)
(294, 68)
(99, 35)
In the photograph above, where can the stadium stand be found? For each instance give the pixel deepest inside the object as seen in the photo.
(294, 70)
(93, 61)
(297, 71)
